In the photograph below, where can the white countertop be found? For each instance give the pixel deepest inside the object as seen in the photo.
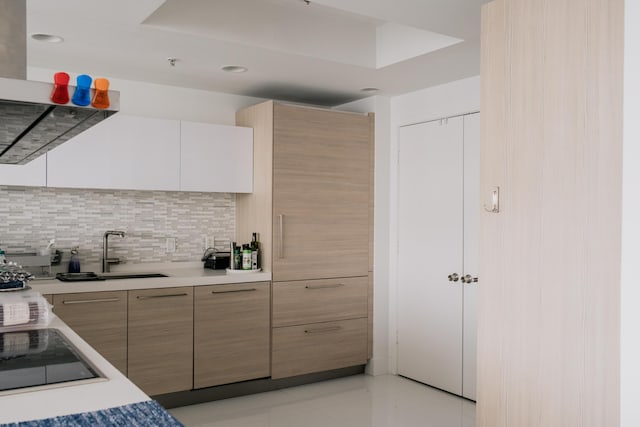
(182, 275)
(72, 398)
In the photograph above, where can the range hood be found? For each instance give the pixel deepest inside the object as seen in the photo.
(30, 124)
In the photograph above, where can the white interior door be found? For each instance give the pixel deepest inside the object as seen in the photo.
(430, 233)
(471, 245)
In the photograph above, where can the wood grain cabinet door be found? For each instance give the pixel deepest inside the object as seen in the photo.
(231, 333)
(161, 339)
(314, 301)
(318, 347)
(100, 318)
(320, 193)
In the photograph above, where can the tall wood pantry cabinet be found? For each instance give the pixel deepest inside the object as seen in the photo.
(311, 206)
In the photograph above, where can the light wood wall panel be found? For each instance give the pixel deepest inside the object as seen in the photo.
(549, 294)
(253, 211)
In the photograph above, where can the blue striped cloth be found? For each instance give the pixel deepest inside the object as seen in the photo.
(143, 414)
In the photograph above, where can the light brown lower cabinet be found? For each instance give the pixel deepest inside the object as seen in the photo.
(319, 300)
(100, 318)
(231, 333)
(161, 339)
(317, 347)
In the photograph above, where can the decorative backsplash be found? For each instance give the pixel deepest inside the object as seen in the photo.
(31, 216)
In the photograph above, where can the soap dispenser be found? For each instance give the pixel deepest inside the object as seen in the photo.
(74, 262)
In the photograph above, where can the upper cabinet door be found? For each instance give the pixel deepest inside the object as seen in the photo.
(122, 152)
(216, 158)
(320, 193)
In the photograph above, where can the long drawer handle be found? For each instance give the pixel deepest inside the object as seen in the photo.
(329, 286)
(322, 330)
(184, 294)
(89, 301)
(281, 243)
(234, 290)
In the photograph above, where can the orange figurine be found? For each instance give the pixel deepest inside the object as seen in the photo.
(60, 93)
(101, 97)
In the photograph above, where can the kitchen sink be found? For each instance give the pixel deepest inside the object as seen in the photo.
(90, 276)
(111, 276)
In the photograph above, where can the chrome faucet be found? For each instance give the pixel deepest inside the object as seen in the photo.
(106, 261)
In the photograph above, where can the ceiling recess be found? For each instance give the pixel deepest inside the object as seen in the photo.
(235, 69)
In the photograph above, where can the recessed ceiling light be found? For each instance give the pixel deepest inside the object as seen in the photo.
(369, 89)
(234, 69)
(49, 38)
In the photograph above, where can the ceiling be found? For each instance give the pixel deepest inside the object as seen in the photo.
(323, 52)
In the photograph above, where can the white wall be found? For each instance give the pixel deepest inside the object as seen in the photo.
(630, 289)
(451, 99)
(166, 102)
(379, 105)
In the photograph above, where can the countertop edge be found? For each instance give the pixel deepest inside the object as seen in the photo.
(176, 278)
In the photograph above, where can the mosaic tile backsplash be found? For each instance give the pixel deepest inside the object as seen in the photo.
(31, 216)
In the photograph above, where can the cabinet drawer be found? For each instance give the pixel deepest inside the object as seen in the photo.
(318, 347)
(161, 339)
(311, 301)
(100, 318)
(231, 333)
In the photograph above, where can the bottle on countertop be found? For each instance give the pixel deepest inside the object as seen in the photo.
(246, 257)
(255, 252)
(3, 258)
(74, 262)
(237, 258)
(232, 256)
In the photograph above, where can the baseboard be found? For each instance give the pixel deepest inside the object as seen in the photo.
(202, 395)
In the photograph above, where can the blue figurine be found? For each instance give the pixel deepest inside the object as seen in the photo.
(82, 95)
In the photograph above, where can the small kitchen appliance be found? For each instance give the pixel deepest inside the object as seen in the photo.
(216, 260)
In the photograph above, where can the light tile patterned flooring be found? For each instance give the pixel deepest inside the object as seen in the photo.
(357, 401)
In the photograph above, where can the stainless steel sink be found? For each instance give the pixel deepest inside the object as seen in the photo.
(90, 276)
(111, 276)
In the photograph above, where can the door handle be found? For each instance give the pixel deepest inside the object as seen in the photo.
(322, 330)
(89, 301)
(327, 286)
(454, 277)
(231, 291)
(469, 279)
(141, 297)
(281, 242)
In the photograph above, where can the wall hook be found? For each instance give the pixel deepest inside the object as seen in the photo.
(495, 201)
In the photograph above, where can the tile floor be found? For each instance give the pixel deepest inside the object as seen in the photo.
(357, 401)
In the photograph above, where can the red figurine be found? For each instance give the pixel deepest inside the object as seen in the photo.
(60, 94)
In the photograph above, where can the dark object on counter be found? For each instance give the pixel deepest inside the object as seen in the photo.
(56, 257)
(12, 285)
(74, 262)
(218, 261)
(78, 277)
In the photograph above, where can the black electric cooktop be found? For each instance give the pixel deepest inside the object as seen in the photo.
(40, 357)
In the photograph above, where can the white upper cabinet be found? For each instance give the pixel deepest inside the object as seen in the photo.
(33, 174)
(216, 158)
(140, 153)
(122, 152)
